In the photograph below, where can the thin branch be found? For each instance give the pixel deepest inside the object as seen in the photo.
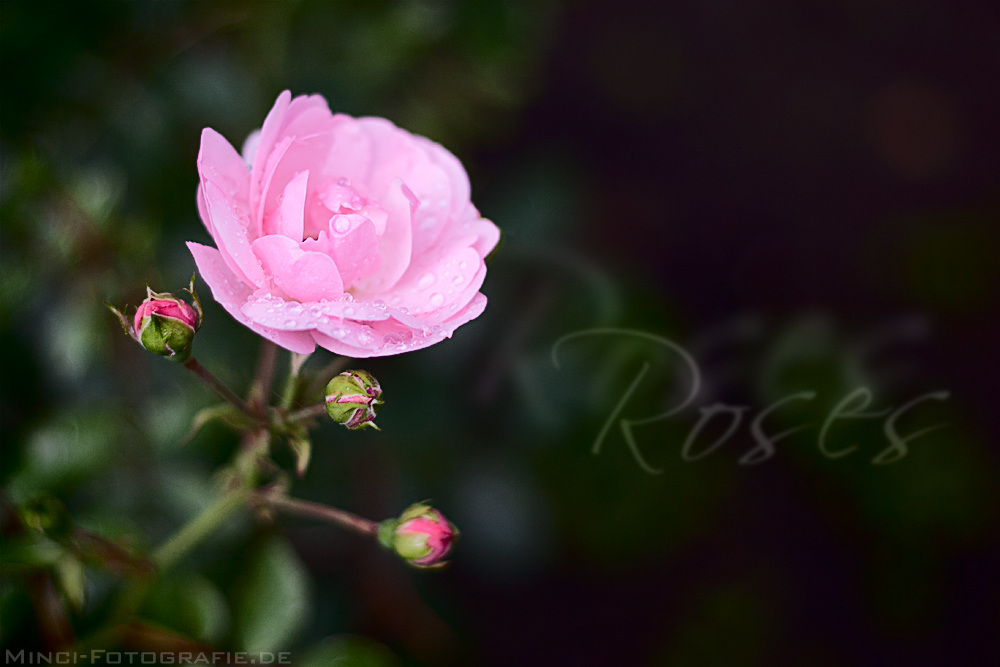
(306, 413)
(333, 368)
(260, 388)
(216, 384)
(323, 512)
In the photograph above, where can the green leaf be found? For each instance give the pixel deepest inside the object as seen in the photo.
(271, 598)
(72, 579)
(349, 651)
(191, 605)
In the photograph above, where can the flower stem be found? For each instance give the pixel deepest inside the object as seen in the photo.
(216, 384)
(260, 388)
(324, 512)
(175, 548)
(306, 413)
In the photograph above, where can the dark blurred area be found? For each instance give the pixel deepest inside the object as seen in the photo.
(804, 196)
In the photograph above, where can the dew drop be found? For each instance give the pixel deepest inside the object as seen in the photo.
(291, 323)
(463, 264)
(348, 311)
(281, 198)
(343, 182)
(403, 308)
(341, 224)
(340, 332)
(437, 299)
(426, 281)
(458, 279)
(379, 303)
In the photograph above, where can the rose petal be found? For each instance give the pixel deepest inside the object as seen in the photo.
(394, 244)
(301, 275)
(272, 311)
(230, 224)
(361, 341)
(231, 292)
(291, 210)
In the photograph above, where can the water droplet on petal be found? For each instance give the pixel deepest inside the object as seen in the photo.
(462, 264)
(379, 303)
(426, 281)
(402, 309)
(348, 311)
(437, 299)
(291, 323)
(343, 182)
(341, 224)
(458, 280)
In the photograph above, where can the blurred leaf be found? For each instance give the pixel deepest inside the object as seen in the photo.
(191, 605)
(71, 576)
(348, 651)
(67, 450)
(271, 599)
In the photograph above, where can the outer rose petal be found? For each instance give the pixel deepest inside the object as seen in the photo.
(231, 292)
(361, 341)
(231, 234)
(219, 163)
(276, 313)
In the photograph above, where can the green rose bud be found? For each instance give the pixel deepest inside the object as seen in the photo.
(353, 398)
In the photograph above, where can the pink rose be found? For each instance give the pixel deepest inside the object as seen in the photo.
(346, 232)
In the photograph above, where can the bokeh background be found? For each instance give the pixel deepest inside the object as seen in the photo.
(805, 195)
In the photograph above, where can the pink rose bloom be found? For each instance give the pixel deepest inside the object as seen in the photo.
(346, 232)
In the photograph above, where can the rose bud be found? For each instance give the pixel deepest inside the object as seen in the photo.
(164, 324)
(422, 536)
(353, 398)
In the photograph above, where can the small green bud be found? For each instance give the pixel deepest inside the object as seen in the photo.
(353, 398)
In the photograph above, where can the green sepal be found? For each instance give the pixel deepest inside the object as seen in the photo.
(123, 319)
(197, 302)
(387, 533)
(167, 337)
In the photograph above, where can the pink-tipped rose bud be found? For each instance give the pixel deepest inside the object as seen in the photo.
(164, 324)
(422, 536)
(353, 398)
